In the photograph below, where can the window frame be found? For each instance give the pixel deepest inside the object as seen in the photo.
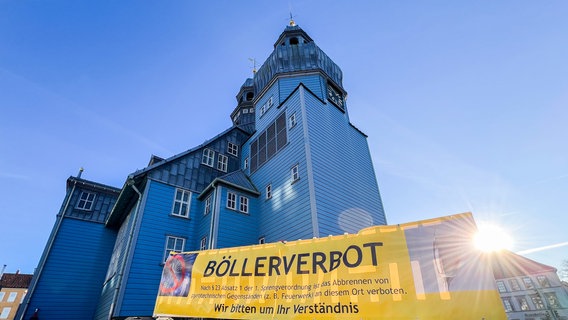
(207, 206)
(501, 287)
(181, 203)
(231, 201)
(208, 157)
(292, 122)
(537, 301)
(515, 286)
(523, 303)
(222, 162)
(5, 312)
(543, 281)
(268, 191)
(246, 163)
(244, 204)
(2, 294)
(529, 284)
(168, 250)
(233, 149)
(203, 243)
(262, 240)
(87, 203)
(508, 304)
(295, 173)
(12, 296)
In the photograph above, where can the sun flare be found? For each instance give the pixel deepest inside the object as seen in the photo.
(490, 237)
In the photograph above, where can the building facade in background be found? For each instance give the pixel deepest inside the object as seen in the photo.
(292, 166)
(529, 290)
(13, 289)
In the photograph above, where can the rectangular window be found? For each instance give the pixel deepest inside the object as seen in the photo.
(251, 110)
(207, 206)
(292, 121)
(507, 304)
(173, 244)
(268, 142)
(543, 281)
(203, 244)
(528, 283)
(514, 285)
(295, 173)
(208, 157)
(523, 304)
(501, 286)
(552, 299)
(261, 240)
(86, 201)
(222, 162)
(245, 111)
(268, 191)
(233, 149)
(2, 296)
(262, 110)
(270, 102)
(181, 203)
(231, 201)
(537, 301)
(244, 204)
(5, 312)
(246, 163)
(12, 297)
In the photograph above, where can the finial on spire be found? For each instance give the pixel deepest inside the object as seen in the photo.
(253, 60)
(80, 172)
(292, 23)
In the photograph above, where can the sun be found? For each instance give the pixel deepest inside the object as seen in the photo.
(491, 237)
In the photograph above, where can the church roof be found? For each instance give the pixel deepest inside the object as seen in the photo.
(236, 179)
(507, 264)
(295, 51)
(15, 280)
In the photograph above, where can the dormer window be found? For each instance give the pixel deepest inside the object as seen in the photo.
(294, 41)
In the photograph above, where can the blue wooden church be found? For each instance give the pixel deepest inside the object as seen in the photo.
(292, 166)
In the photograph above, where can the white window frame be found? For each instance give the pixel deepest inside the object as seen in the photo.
(251, 110)
(203, 243)
(168, 250)
(262, 110)
(261, 240)
(12, 297)
(231, 200)
(243, 204)
(501, 286)
(208, 157)
(246, 110)
(222, 162)
(270, 102)
(207, 208)
(268, 191)
(5, 312)
(86, 201)
(292, 121)
(184, 206)
(246, 163)
(233, 149)
(295, 173)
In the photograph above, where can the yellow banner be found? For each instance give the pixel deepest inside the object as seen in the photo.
(422, 270)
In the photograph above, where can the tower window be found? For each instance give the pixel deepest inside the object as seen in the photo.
(203, 244)
(86, 201)
(294, 41)
(295, 173)
(250, 95)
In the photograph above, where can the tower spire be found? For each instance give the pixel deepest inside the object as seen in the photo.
(292, 22)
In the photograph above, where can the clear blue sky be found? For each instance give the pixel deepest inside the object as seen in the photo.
(465, 102)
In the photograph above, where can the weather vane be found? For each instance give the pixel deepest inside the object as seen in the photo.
(253, 60)
(292, 23)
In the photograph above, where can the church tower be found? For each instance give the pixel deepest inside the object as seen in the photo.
(311, 165)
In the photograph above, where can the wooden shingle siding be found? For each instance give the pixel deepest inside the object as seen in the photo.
(237, 228)
(346, 187)
(289, 206)
(73, 273)
(156, 223)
